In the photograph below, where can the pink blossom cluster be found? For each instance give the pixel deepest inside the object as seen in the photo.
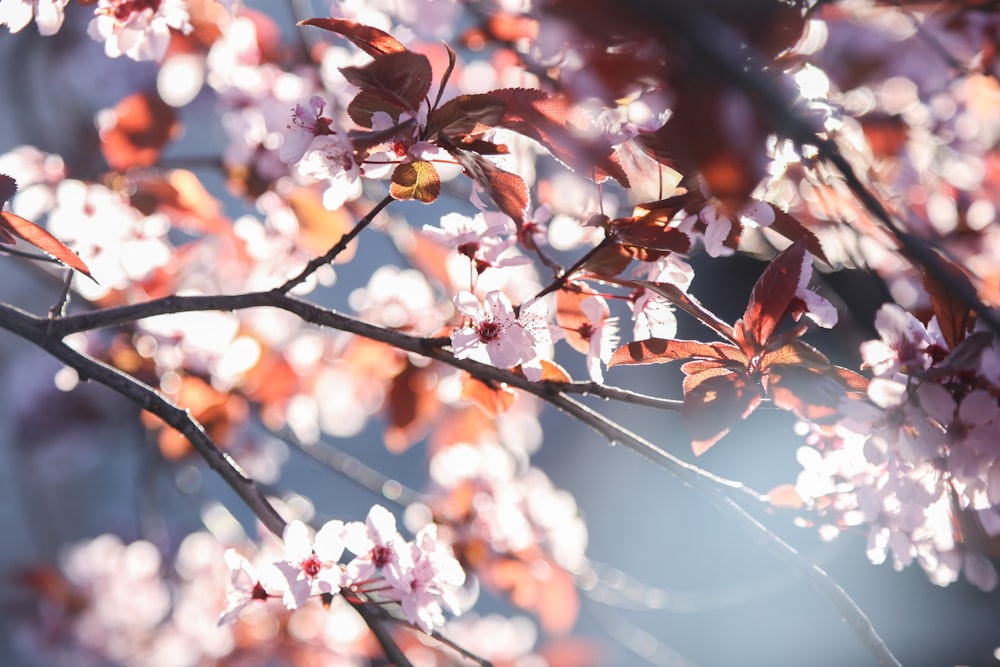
(915, 461)
(418, 578)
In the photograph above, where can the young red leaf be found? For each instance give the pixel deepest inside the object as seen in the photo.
(553, 121)
(608, 260)
(650, 232)
(508, 191)
(415, 180)
(15, 225)
(465, 115)
(8, 187)
(402, 78)
(773, 293)
(716, 404)
(809, 394)
(953, 314)
(793, 230)
(371, 40)
(660, 350)
(366, 104)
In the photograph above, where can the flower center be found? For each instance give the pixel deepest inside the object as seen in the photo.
(123, 10)
(258, 592)
(489, 330)
(381, 555)
(312, 565)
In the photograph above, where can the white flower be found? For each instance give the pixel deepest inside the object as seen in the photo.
(311, 566)
(48, 14)
(423, 578)
(376, 543)
(140, 30)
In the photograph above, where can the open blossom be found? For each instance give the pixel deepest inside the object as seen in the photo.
(602, 334)
(321, 151)
(424, 577)
(905, 343)
(139, 29)
(376, 543)
(310, 567)
(487, 240)
(245, 586)
(496, 335)
(48, 14)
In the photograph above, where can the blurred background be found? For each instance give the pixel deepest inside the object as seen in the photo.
(77, 464)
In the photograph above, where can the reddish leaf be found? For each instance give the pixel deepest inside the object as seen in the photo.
(366, 104)
(651, 232)
(491, 400)
(809, 394)
(773, 293)
(553, 372)
(371, 40)
(14, 225)
(8, 186)
(415, 180)
(715, 405)
(401, 78)
(465, 115)
(793, 230)
(608, 260)
(550, 120)
(143, 124)
(507, 190)
(182, 197)
(659, 351)
(696, 372)
(954, 316)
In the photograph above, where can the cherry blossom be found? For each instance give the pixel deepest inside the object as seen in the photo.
(310, 566)
(244, 587)
(139, 29)
(48, 14)
(376, 544)
(424, 577)
(493, 335)
(905, 343)
(601, 332)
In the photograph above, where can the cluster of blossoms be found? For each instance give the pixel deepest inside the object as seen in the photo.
(417, 577)
(314, 134)
(916, 459)
(134, 28)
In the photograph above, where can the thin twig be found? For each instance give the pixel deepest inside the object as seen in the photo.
(58, 309)
(337, 248)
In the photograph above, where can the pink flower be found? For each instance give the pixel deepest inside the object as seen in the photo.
(423, 578)
(311, 566)
(140, 29)
(321, 151)
(244, 586)
(905, 343)
(48, 14)
(375, 542)
(496, 335)
(488, 239)
(602, 334)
